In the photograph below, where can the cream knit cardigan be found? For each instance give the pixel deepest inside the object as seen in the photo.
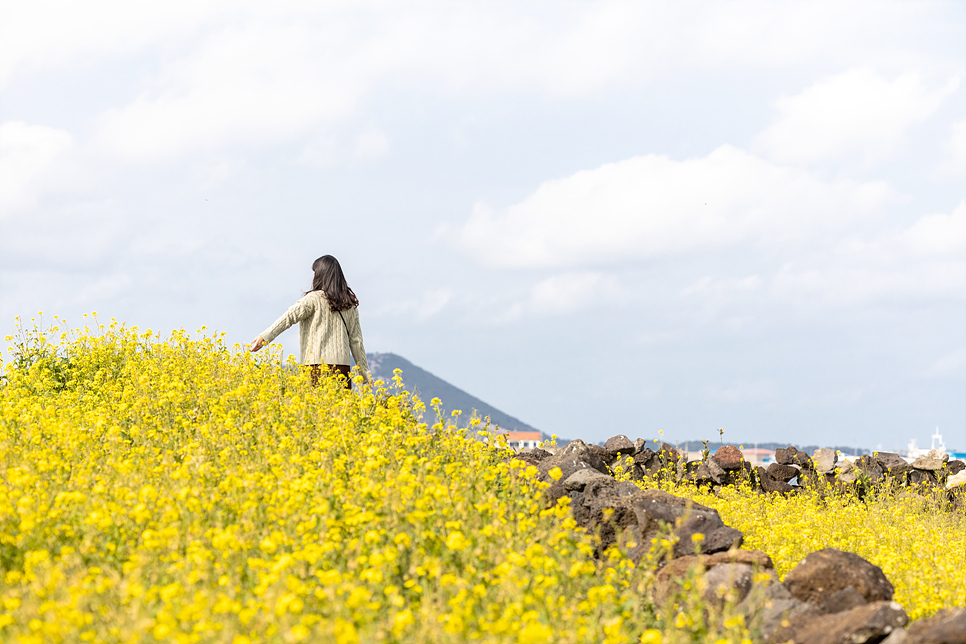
(322, 335)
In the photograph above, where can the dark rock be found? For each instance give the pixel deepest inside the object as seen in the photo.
(862, 625)
(656, 464)
(626, 488)
(812, 480)
(835, 480)
(728, 457)
(718, 475)
(602, 453)
(654, 508)
(792, 456)
(537, 453)
(771, 606)
(668, 454)
(644, 456)
(893, 464)
(955, 467)
(890, 461)
(746, 470)
(717, 538)
(870, 468)
(628, 466)
(637, 473)
(664, 585)
(669, 507)
(922, 477)
(605, 509)
(900, 473)
(620, 444)
(842, 600)
(576, 455)
(557, 491)
(654, 469)
(727, 583)
(948, 626)
(826, 571)
(771, 484)
(956, 497)
(527, 457)
(783, 473)
(632, 543)
(700, 474)
(579, 479)
(576, 497)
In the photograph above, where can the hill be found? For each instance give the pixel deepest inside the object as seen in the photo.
(429, 386)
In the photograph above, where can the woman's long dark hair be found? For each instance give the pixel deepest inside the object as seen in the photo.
(330, 280)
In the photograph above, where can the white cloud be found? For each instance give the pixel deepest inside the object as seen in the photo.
(755, 33)
(230, 74)
(434, 301)
(938, 234)
(651, 206)
(926, 260)
(559, 48)
(45, 34)
(66, 291)
(957, 149)
(858, 113)
(372, 145)
(951, 365)
(798, 240)
(259, 85)
(567, 292)
(27, 153)
(421, 308)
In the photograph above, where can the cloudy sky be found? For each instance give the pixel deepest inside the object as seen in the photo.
(599, 217)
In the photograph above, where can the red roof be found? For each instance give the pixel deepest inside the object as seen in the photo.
(523, 436)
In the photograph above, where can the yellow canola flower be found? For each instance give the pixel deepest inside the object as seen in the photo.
(651, 636)
(534, 633)
(178, 489)
(456, 541)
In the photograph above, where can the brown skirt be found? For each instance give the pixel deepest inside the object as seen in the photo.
(336, 370)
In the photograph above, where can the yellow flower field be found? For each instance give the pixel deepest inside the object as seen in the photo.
(178, 490)
(920, 547)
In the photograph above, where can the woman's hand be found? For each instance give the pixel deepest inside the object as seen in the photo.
(257, 344)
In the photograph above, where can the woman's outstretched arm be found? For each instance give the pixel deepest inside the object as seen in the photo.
(297, 312)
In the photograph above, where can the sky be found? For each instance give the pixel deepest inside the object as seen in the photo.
(647, 218)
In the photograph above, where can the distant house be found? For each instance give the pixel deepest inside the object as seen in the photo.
(523, 440)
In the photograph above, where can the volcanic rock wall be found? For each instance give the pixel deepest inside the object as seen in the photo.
(831, 597)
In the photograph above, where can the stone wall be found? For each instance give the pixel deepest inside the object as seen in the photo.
(831, 597)
(793, 470)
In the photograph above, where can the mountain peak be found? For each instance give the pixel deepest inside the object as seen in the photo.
(430, 386)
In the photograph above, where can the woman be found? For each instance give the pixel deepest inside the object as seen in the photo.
(328, 318)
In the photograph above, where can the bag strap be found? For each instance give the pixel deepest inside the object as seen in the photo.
(346, 327)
